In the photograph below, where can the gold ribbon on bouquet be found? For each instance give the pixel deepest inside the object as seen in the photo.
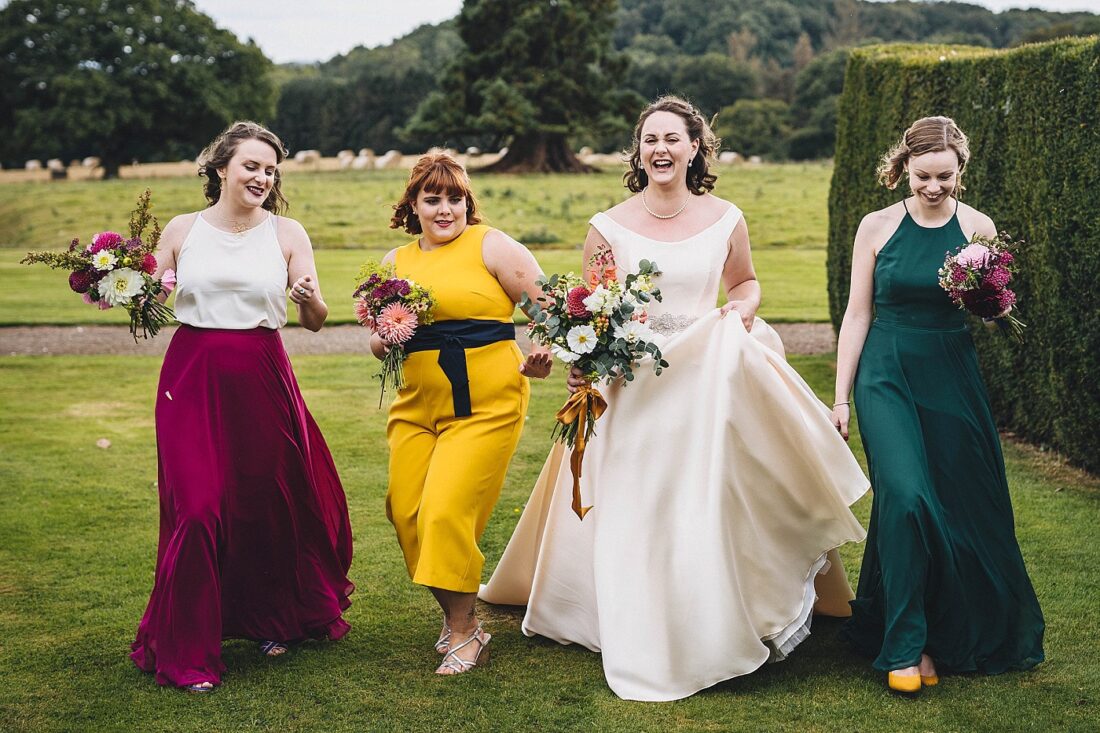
(586, 399)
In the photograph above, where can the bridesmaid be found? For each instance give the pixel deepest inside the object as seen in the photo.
(943, 585)
(255, 540)
(453, 428)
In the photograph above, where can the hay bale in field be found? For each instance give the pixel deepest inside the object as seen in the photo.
(389, 161)
(307, 156)
(585, 151)
(755, 160)
(362, 163)
(344, 158)
(366, 153)
(728, 157)
(55, 164)
(90, 162)
(32, 165)
(473, 152)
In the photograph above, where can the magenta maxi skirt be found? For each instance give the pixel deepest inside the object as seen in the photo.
(255, 540)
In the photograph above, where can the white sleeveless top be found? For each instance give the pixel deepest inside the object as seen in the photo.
(226, 280)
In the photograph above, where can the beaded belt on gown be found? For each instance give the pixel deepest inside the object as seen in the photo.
(668, 324)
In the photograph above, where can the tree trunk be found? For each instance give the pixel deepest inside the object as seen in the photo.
(110, 167)
(539, 153)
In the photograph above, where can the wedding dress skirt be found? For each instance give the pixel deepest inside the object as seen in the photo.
(718, 489)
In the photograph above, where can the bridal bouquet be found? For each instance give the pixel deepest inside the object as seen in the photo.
(598, 326)
(976, 278)
(392, 307)
(114, 271)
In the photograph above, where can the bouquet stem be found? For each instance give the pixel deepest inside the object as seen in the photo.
(393, 373)
(576, 421)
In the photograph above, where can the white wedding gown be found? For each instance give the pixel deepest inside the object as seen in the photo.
(717, 489)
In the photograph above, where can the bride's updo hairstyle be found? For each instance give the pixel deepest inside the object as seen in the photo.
(926, 135)
(699, 178)
(439, 173)
(219, 152)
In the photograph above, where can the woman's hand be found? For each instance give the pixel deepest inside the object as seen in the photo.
(842, 413)
(538, 363)
(302, 290)
(745, 309)
(576, 379)
(379, 346)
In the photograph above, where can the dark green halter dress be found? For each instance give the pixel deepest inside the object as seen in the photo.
(942, 571)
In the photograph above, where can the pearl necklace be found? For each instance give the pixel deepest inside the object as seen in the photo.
(673, 215)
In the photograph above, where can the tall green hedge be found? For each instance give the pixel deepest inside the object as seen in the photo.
(1033, 118)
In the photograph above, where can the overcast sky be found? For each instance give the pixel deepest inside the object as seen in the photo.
(292, 30)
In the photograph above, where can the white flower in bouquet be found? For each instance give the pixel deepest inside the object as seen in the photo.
(633, 331)
(564, 354)
(602, 301)
(582, 339)
(120, 285)
(104, 260)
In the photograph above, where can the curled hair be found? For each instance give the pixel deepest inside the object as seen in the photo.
(699, 178)
(926, 135)
(435, 172)
(221, 150)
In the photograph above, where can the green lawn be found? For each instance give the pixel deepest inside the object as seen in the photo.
(347, 216)
(78, 531)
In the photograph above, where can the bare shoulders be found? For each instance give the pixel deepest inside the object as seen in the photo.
(630, 209)
(972, 222)
(176, 231)
(287, 226)
(876, 227)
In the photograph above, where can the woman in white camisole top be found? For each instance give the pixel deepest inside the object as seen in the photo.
(255, 540)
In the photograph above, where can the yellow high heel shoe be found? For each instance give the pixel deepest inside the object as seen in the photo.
(908, 683)
(929, 680)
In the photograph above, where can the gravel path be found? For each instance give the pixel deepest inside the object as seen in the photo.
(799, 338)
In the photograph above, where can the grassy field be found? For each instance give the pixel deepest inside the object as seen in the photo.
(347, 216)
(77, 542)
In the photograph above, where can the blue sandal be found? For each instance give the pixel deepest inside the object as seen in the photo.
(273, 648)
(200, 687)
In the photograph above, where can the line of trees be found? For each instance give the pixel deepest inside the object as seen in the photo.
(155, 79)
(771, 70)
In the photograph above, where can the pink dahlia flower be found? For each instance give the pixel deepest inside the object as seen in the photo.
(396, 323)
(149, 264)
(363, 314)
(574, 302)
(973, 256)
(104, 240)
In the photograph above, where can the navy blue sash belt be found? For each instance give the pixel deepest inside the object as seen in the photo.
(452, 338)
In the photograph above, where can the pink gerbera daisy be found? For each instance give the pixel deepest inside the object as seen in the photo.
(396, 323)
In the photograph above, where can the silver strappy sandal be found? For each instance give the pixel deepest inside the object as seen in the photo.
(453, 664)
(443, 645)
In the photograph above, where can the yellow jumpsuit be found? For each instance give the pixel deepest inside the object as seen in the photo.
(446, 473)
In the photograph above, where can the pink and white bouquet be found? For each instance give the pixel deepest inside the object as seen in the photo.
(115, 271)
(598, 326)
(976, 278)
(392, 307)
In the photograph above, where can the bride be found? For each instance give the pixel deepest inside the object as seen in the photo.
(719, 487)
